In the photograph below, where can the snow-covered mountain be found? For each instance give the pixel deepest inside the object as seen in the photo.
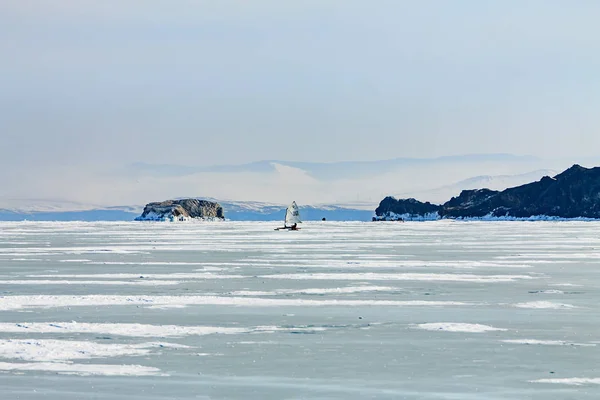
(103, 214)
(332, 170)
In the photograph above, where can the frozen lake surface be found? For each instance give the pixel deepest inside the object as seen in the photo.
(430, 310)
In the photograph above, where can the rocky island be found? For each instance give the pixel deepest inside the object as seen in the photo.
(182, 210)
(574, 193)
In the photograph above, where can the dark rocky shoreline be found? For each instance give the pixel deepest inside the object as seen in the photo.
(574, 193)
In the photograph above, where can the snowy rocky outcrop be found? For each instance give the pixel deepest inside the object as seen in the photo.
(391, 209)
(182, 210)
(572, 194)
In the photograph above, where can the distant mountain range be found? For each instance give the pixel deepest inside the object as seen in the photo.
(329, 171)
(256, 211)
(109, 214)
(335, 191)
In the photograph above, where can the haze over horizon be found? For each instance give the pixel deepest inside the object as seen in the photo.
(91, 88)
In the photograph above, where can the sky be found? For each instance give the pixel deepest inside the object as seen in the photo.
(90, 86)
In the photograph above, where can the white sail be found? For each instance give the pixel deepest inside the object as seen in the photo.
(292, 215)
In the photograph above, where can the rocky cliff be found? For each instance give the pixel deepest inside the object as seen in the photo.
(181, 210)
(391, 209)
(574, 193)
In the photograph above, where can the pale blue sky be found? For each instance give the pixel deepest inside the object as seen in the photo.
(216, 82)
